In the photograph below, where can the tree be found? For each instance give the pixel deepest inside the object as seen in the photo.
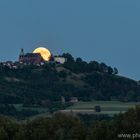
(79, 60)
(110, 70)
(3, 134)
(103, 67)
(8, 128)
(69, 57)
(59, 127)
(93, 66)
(97, 108)
(99, 131)
(115, 71)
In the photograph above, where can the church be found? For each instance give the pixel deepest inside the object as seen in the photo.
(40, 55)
(30, 58)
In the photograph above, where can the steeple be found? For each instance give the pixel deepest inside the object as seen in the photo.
(22, 52)
(21, 55)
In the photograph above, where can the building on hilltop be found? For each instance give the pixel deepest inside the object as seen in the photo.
(37, 58)
(60, 59)
(30, 58)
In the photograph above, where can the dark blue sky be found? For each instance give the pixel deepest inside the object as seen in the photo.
(103, 30)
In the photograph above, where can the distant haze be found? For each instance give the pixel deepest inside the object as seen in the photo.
(103, 30)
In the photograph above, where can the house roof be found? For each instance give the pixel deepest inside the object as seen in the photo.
(32, 55)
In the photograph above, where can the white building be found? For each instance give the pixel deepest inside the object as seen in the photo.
(60, 59)
(73, 100)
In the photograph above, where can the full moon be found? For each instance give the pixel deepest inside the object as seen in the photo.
(45, 53)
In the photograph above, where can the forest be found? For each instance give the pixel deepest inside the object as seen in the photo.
(69, 127)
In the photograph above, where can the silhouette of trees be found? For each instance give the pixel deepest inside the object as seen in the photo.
(68, 127)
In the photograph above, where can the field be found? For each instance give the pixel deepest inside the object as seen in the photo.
(107, 107)
(19, 107)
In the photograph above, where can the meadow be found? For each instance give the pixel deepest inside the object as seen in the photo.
(107, 107)
(110, 108)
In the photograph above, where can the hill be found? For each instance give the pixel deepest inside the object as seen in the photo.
(43, 86)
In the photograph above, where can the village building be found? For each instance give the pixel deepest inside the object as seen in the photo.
(33, 59)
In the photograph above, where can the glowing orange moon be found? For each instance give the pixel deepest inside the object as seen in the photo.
(45, 53)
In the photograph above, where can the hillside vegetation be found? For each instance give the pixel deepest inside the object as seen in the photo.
(33, 85)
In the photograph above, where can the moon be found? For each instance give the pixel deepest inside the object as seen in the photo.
(44, 52)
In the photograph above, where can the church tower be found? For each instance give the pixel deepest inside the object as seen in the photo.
(21, 55)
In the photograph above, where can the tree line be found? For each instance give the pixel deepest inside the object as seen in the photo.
(79, 66)
(69, 127)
